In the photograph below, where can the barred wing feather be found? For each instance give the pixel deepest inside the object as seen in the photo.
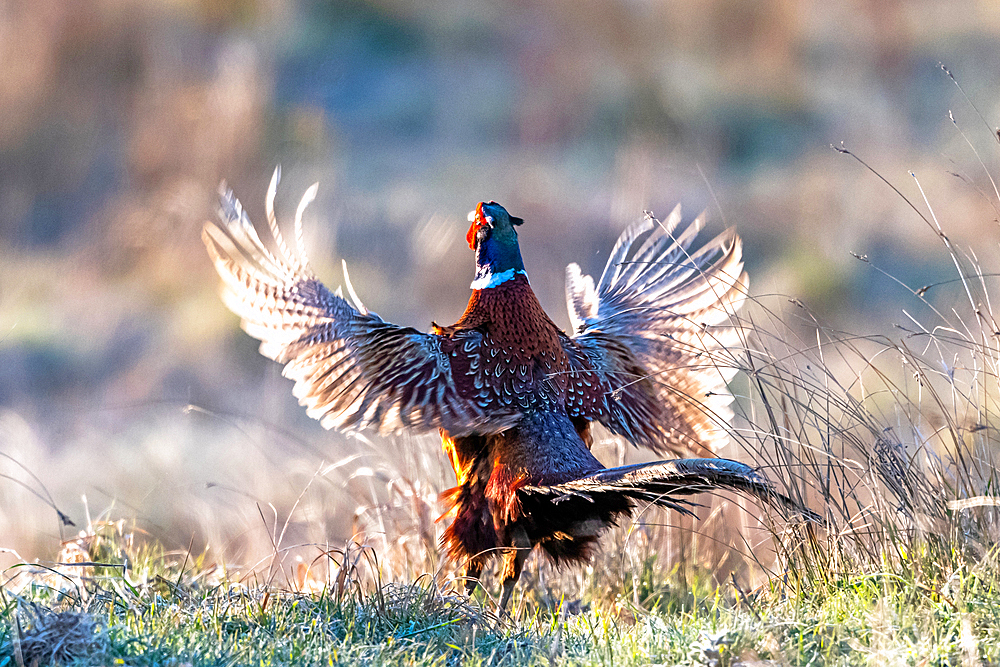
(654, 331)
(351, 369)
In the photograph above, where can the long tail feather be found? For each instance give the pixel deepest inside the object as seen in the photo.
(669, 483)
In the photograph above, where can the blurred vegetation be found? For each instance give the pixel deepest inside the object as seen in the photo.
(126, 387)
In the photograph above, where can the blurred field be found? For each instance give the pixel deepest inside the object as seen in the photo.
(123, 379)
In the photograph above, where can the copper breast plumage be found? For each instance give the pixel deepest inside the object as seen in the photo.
(520, 362)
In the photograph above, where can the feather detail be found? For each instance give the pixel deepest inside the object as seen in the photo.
(350, 290)
(490, 280)
(654, 332)
(668, 484)
(351, 369)
(581, 297)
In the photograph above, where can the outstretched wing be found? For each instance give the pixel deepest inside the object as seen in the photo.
(652, 336)
(667, 483)
(352, 370)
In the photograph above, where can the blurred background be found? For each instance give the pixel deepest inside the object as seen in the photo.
(127, 390)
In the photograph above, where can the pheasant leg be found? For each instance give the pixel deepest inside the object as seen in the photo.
(472, 572)
(513, 562)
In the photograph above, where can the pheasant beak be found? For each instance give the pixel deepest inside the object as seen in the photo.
(478, 219)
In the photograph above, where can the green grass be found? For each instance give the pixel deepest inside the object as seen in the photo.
(160, 609)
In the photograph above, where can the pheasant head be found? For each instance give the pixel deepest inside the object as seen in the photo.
(492, 236)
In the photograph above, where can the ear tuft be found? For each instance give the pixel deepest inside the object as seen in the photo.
(514, 220)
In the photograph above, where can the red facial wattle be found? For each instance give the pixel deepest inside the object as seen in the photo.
(477, 222)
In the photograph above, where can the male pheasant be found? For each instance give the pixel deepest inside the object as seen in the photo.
(512, 395)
